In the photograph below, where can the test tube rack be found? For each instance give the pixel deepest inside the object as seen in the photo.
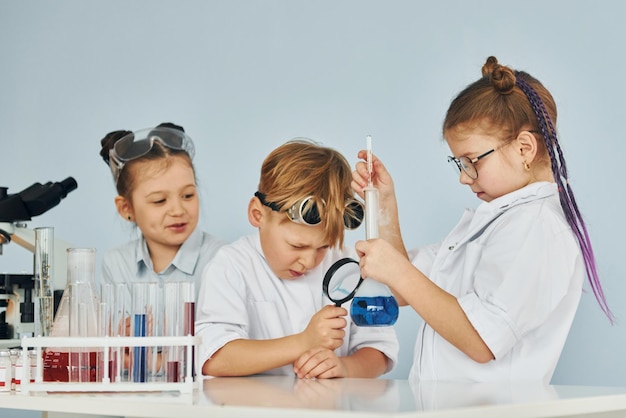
(38, 344)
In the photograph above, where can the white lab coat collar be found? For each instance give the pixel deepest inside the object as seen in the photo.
(487, 212)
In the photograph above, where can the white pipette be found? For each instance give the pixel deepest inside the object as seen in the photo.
(371, 198)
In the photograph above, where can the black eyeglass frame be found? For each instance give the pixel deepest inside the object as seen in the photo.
(464, 163)
(471, 161)
(311, 217)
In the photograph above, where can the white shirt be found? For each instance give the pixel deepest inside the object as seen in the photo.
(517, 270)
(241, 298)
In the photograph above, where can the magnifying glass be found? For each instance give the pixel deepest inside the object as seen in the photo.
(342, 280)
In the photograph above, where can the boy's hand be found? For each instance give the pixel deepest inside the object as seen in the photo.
(319, 363)
(325, 329)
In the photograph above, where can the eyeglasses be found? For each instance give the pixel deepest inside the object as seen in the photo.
(138, 144)
(306, 212)
(467, 165)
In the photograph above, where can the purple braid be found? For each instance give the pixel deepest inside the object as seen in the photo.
(566, 195)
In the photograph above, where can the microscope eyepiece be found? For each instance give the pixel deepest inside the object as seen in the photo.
(34, 200)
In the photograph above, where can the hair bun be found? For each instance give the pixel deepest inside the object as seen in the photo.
(501, 77)
(171, 126)
(108, 141)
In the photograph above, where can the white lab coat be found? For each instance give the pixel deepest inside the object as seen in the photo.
(517, 270)
(241, 298)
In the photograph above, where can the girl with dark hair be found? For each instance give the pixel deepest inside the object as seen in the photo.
(156, 185)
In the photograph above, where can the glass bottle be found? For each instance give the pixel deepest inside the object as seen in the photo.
(6, 370)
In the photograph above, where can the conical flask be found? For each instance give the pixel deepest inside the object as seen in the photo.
(75, 317)
(373, 304)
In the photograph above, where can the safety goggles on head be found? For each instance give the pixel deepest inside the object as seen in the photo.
(138, 144)
(306, 212)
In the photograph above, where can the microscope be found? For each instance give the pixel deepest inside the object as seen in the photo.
(17, 299)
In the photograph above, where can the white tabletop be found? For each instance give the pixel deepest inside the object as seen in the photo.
(271, 396)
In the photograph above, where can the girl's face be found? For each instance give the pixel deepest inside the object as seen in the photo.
(165, 203)
(499, 173)
(290, 249)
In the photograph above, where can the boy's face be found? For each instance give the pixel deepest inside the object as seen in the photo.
(291, 249)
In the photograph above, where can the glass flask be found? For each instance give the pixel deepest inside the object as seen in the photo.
(77, 316)
(373, 304)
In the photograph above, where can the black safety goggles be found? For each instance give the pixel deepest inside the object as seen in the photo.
(305, 211)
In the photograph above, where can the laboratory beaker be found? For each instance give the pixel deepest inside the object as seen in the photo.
(43, 268)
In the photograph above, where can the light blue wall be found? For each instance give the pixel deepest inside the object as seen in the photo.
(244, 76)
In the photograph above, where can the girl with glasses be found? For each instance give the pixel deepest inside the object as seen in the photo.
(261, 309)
(499, 293)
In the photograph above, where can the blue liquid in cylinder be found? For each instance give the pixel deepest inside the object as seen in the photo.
(374, 311)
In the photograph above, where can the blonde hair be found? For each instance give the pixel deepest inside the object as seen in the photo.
(301, 168)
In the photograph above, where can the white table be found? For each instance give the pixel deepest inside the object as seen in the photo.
(270, 396)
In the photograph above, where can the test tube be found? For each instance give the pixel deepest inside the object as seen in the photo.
(370, 163)
(73, 357)
(119, 321)
(44, 257)
(142, 324)
(87, 358)
(139, 328)
(371, 198)
(155, 328)
(105, 312)
(188, 298)
(174, 328)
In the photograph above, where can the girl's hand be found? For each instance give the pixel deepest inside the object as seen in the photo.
(381, 179)
(380, 261)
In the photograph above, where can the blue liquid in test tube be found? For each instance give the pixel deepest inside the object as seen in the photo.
(140, 360)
